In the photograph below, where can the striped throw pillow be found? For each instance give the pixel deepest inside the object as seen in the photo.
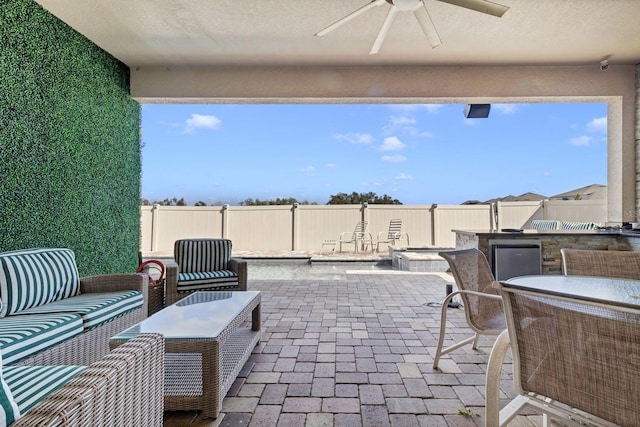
(34, 277)
(9, 411)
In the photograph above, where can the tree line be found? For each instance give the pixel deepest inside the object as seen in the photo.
(354, 198)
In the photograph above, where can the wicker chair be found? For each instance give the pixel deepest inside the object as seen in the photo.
(203, 265)
(571, 359)
(618, 264)
(482, 305)
(124, 388)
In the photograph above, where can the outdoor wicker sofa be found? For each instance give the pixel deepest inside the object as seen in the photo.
(124, 388)
(51, 316)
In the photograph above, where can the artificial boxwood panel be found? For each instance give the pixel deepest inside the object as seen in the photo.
(69, 143)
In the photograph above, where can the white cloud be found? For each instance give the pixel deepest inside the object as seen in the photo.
(200, 121)
(404, 176)
(395, 158)
(400, 120)
(581, 141)
(354, 138)
(392, 143)
(598, 125)
(330, 165)
(506, 108)
(309, 170)
(546, 173)
(411, 131)
(432, 108)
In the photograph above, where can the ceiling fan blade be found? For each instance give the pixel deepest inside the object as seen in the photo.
(382, 34)
(483, 6)
(422, 15)
(349, 17)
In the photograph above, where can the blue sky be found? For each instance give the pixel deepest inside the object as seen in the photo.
(419, 154)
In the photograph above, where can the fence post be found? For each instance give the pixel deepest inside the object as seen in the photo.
(364, 216)
(225, 221)
(154, 227)
(434, 224)
(294, 227)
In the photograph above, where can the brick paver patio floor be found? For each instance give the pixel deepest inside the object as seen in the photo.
(358, 352)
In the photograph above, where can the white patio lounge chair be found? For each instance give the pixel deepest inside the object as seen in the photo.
(392, 235)
(359, 237)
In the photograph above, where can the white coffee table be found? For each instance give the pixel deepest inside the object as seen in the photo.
(206, 346)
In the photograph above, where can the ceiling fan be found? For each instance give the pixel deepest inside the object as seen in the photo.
(419, 9)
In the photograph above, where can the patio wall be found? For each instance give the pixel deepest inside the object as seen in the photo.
(305, 227)
(69, 143)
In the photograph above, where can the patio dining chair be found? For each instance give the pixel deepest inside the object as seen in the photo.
(577, 226)
(203, 265)
(573, 360)
(617, 264)
(392, 235)
(482, 304)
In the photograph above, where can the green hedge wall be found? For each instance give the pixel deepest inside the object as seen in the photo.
(69, 143)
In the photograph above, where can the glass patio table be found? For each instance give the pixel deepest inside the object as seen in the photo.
(605, 290)
(207, 342)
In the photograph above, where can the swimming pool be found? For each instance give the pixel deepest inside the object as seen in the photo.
(303, 268)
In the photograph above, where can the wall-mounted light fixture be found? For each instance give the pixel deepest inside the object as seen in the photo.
(477, 111)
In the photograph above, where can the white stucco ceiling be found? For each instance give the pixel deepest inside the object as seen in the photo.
(281, 33)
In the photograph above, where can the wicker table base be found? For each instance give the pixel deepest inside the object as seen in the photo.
(199, 370)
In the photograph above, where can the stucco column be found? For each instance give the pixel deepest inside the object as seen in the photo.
(637, 137)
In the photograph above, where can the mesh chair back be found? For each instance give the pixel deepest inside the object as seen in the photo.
(569, 225)
(617, 264)
(545, 224)
(582, 355)
(196, 255)
(471, 272)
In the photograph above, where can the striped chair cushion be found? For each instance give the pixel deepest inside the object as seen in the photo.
(34, 277)
(21, 336)
(30, 384)
(95, 309)
(195, 255)
(9, 411)
(221, 279)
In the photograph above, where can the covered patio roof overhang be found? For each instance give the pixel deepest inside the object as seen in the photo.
(265, 52)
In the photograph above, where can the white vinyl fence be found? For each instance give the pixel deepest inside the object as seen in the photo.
(305, 227)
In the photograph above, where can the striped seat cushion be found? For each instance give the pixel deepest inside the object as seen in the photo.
(24, 335)
(30, 384)
(33, 277)
(95, 309)
(9, 411)
(221, 279)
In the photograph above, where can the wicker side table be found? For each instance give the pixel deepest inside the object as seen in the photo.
(207, 342)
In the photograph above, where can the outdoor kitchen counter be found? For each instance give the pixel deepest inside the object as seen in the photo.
(551, 242)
